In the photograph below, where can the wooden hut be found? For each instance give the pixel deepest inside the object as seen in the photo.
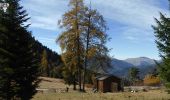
(108, 83)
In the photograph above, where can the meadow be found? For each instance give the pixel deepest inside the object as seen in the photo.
(151, 95)
(50, 83)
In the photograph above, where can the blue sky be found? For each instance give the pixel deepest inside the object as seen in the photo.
(129, 23)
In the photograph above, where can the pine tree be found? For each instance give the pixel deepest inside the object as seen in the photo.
(6, 56)
(18, 60)
(162, 33)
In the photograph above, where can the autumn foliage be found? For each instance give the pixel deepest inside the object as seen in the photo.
(151, 80)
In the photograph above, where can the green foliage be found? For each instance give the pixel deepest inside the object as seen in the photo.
(126, 81)
(133, 74)
(18, 60)
(164, 71)
(162, 33)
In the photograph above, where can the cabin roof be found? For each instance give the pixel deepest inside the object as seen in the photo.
(103, 77)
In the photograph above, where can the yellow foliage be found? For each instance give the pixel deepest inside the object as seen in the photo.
(151, 80)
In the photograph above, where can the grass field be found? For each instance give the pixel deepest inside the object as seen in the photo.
(152, 95)
(74, 95)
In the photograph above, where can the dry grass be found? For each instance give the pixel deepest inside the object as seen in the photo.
(152, 95)
(51, 83)
(55, 83)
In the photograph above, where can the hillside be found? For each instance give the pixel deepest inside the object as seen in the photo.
(141, 61)
(53, 59)
(120, 67)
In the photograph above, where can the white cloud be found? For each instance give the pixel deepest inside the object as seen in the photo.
(50, 42)
(130, 38)
(137, 35)
(44, 39)
(137, 15)
(49, 23)
(45, 14)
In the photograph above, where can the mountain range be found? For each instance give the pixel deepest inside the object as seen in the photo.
(120, 68)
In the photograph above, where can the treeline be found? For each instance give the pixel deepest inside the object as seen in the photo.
(135, 78)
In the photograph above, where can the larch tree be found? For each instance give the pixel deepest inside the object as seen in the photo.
(162, 34)
(44, 64)
(95, 40)
(83, 42)
(71, 41)
(18, 60)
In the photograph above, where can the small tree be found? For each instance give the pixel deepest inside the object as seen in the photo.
(151, 80)
(44, 64)
(69, 70)
(133, 74)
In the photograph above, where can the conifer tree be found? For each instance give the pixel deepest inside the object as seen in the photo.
(95, 39)
(83, 40)
(70, 69)
(18, 60)
(70, 40)
(162, 33)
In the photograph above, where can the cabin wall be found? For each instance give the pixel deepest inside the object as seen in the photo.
(118, 81)
(100, 86)
(107, 85)
(111, 84)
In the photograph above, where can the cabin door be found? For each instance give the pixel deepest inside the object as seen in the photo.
(114, 87)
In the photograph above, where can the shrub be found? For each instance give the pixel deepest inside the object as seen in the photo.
(150, 80)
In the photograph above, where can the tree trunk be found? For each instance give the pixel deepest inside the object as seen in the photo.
(74, 84)
(87, 47)
(78, 49)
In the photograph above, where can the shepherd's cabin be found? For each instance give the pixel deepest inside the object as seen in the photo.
(108, 83)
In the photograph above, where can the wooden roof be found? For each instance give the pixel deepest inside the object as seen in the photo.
(103, 77)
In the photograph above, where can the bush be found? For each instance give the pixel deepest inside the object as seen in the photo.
(150, 80)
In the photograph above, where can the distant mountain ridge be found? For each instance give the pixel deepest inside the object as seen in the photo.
(120, 67)
(141, 61)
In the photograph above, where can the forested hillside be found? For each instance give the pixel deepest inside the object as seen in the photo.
(49, 60)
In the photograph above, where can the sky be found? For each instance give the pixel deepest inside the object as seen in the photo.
(129, 23)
